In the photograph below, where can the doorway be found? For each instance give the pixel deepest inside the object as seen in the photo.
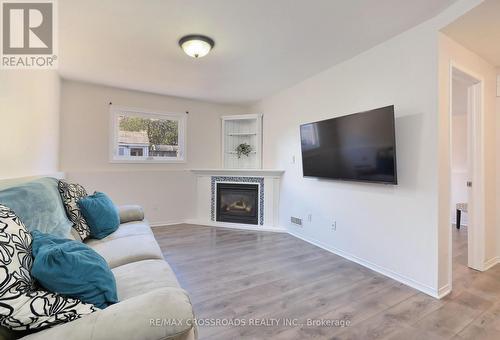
(466, 206)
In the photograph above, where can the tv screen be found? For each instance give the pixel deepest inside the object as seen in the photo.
(356, 147)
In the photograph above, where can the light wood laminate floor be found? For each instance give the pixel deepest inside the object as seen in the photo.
(249, 276)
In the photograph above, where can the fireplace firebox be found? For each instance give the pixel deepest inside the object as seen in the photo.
(237, 203)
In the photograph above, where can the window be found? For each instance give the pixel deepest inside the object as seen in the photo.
(145, 136)
(134, 152)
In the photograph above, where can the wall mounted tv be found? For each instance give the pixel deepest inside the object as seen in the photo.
(356, 147)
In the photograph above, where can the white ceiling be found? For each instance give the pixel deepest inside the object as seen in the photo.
(262, 46)
(479, 31)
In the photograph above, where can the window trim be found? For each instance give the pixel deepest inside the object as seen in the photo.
(115, 111)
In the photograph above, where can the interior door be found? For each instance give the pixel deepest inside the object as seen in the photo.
(474, 153)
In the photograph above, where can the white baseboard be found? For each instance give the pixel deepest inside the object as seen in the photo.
(164, 224)
(237, 226)
(379, 269)
(221, 225)
(491, 262)
(443, 291)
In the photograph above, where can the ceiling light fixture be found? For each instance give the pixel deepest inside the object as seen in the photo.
(195, 45)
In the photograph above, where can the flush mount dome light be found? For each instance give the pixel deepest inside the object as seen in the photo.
(196, 45)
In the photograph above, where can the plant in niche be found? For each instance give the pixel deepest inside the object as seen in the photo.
(243, 149)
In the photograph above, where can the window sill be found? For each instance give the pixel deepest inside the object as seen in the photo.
(147, 161)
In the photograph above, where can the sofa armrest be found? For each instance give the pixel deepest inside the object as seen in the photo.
(142, 317)
(130, 213)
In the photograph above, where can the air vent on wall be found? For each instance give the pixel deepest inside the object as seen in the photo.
(296, 220)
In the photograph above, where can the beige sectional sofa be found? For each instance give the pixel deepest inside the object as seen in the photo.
(149, 293)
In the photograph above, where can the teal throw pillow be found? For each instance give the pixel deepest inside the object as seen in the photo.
(73, 269)
(100, 213)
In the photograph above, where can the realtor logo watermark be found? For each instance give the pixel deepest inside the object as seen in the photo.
(29, 39)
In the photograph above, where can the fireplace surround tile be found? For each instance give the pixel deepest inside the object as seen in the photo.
(239, 180)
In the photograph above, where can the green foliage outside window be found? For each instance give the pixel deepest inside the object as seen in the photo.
(159, 131)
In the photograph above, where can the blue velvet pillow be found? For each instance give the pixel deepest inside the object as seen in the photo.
(38, 204)
(100, 213)
(73, 269)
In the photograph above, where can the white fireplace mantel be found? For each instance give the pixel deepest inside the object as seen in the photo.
(240, 172)
(269, 180)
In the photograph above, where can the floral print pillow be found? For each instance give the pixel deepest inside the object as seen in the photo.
(70, 194)
(22, 305)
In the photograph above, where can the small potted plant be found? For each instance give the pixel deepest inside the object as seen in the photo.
(243, 149)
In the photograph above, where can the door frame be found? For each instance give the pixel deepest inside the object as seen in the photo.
(476, 242)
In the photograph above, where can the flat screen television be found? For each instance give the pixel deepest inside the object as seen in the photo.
(356, 147)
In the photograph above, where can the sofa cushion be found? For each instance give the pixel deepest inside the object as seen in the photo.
(39, 206)
(130, 229)
(22, 306)
(70, 194)
(127, 249)
(100, 213)
(143, 317)
(143, 276)
(71, 268)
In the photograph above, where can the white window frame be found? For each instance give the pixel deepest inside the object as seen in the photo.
(116, 111)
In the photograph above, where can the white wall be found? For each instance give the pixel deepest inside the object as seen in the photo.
(459, 149)
(29, 112)
(166, 191)
(392, 229)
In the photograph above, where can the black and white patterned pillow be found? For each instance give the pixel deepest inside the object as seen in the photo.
(22, 306)
(70, 194)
